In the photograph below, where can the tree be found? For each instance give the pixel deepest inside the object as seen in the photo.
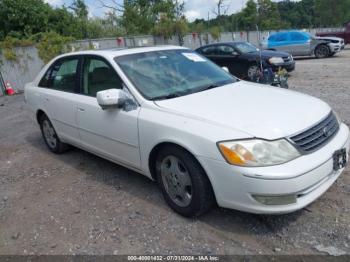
(268, 15)
(81, 12)
(332, 12)
(23, 16)
(221, 8)
(248, 17)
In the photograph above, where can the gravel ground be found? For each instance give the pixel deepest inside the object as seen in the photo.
(78, 203)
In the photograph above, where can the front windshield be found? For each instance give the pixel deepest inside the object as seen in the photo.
(172, 73)
(246, 47)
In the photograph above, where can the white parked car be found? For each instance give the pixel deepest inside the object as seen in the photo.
(203, 135)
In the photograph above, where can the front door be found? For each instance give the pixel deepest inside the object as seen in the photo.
(111, 133)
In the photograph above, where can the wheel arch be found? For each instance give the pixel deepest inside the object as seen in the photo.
(321, 44)
(39, 114)
(156, 149)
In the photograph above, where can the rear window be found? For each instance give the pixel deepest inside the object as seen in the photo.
(281, 37)
(210, 50)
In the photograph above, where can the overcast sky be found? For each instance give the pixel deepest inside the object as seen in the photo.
(193, 8)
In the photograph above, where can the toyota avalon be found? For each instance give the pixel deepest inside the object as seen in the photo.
(205, 137)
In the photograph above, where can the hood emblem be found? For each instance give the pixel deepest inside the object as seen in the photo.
(326, 131)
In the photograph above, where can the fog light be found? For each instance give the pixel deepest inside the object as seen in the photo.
(276, 200)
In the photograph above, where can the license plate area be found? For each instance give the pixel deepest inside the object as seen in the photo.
(339, 159)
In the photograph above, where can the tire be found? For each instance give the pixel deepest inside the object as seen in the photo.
(50, 137)
(331, 54)
(252, 72)
(322, 51)
(184, 184)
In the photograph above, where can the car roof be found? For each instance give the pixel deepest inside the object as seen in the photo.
(222, 43)
(291, 31)
(115, 52)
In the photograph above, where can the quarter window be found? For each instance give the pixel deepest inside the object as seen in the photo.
(99, 76)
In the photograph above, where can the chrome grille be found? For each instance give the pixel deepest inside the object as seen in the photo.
(318, 135)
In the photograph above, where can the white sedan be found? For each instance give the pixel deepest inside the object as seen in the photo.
(203, 135)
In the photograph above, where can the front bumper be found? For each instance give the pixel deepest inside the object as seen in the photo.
(335, 48)
(290, 66)
(307, 177)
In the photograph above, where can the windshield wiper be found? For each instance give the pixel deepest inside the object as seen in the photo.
(169, 96)
(208, 88)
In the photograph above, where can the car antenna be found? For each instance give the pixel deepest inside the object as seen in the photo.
(260, 54)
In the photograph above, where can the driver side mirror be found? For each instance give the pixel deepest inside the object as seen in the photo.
(225, 69)
(111, 98)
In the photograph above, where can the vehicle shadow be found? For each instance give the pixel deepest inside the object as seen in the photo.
(305, 58)
(107, 173)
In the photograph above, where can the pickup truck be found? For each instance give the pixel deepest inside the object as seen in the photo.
(345, 33)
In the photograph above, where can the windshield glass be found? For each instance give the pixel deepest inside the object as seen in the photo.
(246, 47)
(172, 73)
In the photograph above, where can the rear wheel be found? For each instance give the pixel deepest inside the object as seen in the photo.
(50, 136)
(184, 184)
(322, 51)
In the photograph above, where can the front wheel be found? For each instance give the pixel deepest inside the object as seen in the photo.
(322, 51)
(184, 184)
(253, 73)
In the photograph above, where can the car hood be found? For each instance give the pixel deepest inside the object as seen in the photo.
(329, 38)
(258, 110)
(268, 54)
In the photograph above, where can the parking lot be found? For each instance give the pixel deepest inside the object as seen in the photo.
(77, 203)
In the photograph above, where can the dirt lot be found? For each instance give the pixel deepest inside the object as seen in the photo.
(77, 203)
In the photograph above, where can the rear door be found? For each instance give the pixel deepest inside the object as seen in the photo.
(300, 44)
(59, 94)
(211, 53)
(111, 133)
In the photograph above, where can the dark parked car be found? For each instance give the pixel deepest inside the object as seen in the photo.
(243, 59)
(344, 33)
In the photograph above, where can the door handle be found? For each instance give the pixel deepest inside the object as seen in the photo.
(81, 109)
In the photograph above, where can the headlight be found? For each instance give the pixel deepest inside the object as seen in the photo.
(338, 117)
(276, 60)
(257, 152)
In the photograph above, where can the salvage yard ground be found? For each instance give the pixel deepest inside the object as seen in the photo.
(77, 203)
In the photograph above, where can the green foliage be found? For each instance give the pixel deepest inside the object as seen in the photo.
(10, 43)
(248, 18)
(215, 32)
(51, 45)
(283, 14)
(23, 16)
(23, 22)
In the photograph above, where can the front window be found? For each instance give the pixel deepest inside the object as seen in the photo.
(246, 48)
(172, 73)
(99, 76)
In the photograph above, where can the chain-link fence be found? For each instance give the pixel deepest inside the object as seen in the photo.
(28, 64)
